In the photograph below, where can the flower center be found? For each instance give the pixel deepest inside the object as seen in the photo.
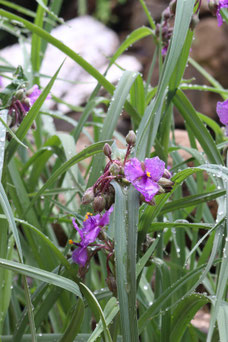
(148, 174)
(87, 216)
(71, 242)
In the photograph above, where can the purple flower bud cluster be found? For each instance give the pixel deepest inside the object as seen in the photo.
(21, 103)
(165, 29)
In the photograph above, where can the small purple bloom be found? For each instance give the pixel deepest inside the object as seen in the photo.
(222, 4)
(222, 111)
(1, 83)
(216, 6)
(88, 233)
(144, 176)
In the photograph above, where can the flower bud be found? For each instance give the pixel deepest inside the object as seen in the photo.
(166, 13)
(161, 190)
(114, 169)
(164, 182)
(88, 196)
(167, 174)
(111, 282)
(213, 6)
(125, 181)
(19, 94)
(107, 150)
(172, 6)
(194, 22)
(99, 203)
(27, 102)
(131, 138)
(109, 200)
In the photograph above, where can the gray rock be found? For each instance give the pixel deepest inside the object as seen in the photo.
(92, 41)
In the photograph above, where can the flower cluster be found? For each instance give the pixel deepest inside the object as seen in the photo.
(92, 226)
(21, 103)
(216, 6)
(149, 178)
(222, 111)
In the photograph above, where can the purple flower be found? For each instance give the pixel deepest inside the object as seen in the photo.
(222, 4)
(222, 111)
(1, 83)
(215, 6)
(88, 233)
(144, 176)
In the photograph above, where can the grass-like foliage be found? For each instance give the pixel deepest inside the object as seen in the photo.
(117, 247)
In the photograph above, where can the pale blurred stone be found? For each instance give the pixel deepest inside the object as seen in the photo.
(201, 321)
(92, 41)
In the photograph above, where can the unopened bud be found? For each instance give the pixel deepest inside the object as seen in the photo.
(157, 30)
(194, 22)
(131, 138)
(27, 102)
(167, 174)
(20, 94)
(164, 182)
(125, 181)
(111, 282)
(107, 150)
(172, 6)
(213, 6)
(142, 200)
(161, 190)
(109, 200)
(88, 196)
(166, 13)
(114, 169)
(99, 203)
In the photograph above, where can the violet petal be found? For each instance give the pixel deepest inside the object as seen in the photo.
(133, 169)
(79, 256)
(147, 187)
(222, 111)
(104, 220)
(90, 236)
(155, 166)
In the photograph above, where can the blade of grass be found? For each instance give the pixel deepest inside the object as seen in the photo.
(42, 275)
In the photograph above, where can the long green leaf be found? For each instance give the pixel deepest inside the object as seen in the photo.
(96, 308)
(10, 217)
(48, 277)
(75, 323)
(125, 281)
(184, 313)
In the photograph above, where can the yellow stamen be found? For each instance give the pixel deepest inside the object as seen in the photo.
(71, 242)
(148, 174)
(87, 216)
